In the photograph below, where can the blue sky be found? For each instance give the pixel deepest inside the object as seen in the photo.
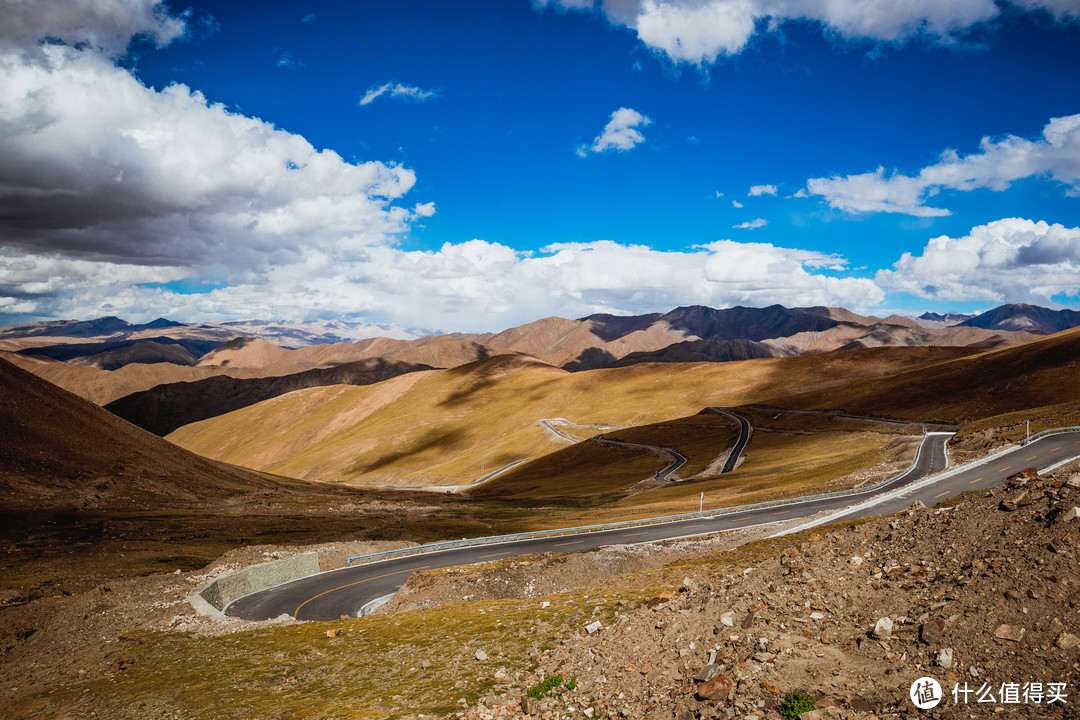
(514, 159)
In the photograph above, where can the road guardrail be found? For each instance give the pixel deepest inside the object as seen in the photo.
(585, 529)
(1051, 431)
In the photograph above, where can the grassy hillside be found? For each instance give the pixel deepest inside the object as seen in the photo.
(995, 382)
(448, 426)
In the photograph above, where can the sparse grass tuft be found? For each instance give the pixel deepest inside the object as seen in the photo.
(795, 703)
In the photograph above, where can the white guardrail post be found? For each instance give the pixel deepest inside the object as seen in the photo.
(1051, 431)
(584, 529)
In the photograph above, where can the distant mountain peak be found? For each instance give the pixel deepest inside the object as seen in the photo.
(1021, 316)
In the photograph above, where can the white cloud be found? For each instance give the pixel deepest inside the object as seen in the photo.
(1056, 155)
(621, 132)
(106, 26)
(1060, 9)
(758, 190)
(1008, 260)
(396, 90)
(474, 285)
(736, 204)
(751, 225)
(105, 182)
(288, 59)
(700, 31)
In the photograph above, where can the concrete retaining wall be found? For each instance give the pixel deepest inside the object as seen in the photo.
(225, 589)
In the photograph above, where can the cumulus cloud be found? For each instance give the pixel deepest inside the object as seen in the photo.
(751, 224)
(105, 26)
(758, 190)
(474, 285)
(700, 31)
(398, 91)
(1008, 260)
(998, 163)
(736, 204)
(96, 165)
(621, 132)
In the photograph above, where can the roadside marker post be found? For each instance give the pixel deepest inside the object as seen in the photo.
(701, 503)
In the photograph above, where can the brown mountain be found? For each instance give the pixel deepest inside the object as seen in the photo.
(143, 352)
(164, 408)
(1020, 316)
(60, 451)
(1036, 374)
(697, 333)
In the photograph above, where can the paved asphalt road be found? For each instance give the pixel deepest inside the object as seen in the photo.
(740, 444)
(329, 595)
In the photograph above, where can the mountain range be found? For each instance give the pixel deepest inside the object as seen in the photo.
(163, 374)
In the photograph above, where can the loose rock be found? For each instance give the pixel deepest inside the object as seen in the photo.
(717, 688)
(1014, 633)
(883, 629)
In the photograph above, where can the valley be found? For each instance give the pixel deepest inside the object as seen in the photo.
(269, 452)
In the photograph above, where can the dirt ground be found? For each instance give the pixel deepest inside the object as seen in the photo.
(982, 596)
(993, 578)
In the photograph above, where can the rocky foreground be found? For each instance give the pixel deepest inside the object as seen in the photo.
(981, 596)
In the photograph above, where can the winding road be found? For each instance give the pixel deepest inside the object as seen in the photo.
(740, 444)
(329, 595)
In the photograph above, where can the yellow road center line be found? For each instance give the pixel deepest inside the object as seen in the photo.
(975, 481)
(1055, 449)
(781, 512)
(1005, 468)
(693, 526)
(1030, 458)
(942, 494)
(576, 542)
(633, 534)
(358, 582)
(495, 555)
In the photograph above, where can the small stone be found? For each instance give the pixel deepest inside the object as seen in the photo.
(481, 655)
(883, 629)
(1014, 633)
(945, 658)
(1056, 626)
(1073, 482)
(819, 714)
(1066, 641)
(764, 657)
(817, 616)
(748, 620)
(855, 561)
(728, 619)
(930, 633)
(716, 688)
(333, 633)
(530, 706)
(593, 627)
(707, 673)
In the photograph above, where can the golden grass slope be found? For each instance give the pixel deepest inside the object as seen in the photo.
(449, 426)
(1035, 374)
(103, 386)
